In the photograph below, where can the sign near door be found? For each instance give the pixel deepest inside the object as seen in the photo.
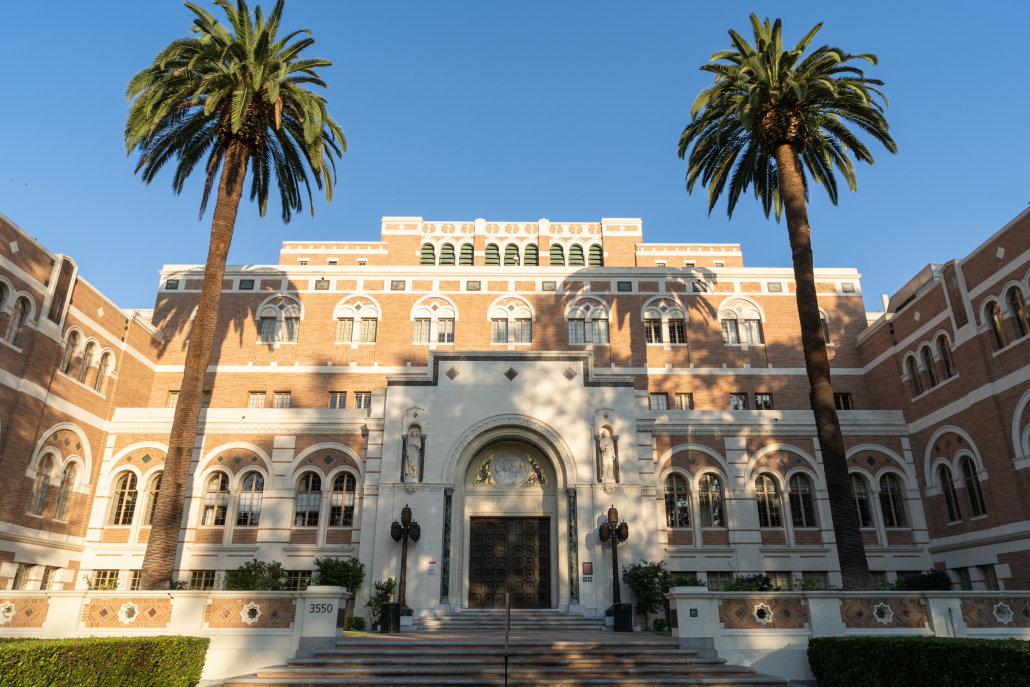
(432, 567)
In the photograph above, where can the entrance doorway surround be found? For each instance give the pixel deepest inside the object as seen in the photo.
(527, 430)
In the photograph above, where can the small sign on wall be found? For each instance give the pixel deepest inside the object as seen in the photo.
(588, 568)
(588, 578)
(432, 567)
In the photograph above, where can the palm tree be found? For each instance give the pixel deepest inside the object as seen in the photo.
(770, 115)
(235, 97)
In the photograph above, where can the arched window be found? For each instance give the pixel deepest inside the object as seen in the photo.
(945, 350)
(768, 502)
(709, 499)
(105, 362)
(428, 254)
(40, 485)
(493, 255)
(447, 254)
(865, 515)
(596, 256)
(973, 492)
(913, 375)
(216, 499)
(802, 510)
(892, 502)
(511, 255)
(532, 255)
(997, 328)
(309, 499)
(950, 497)
(69, 352)
(248, 510)
(729, 329)
(341, 501)
(1018, 307)
(3, 296)
(467, 255)
(153, 490)
(653, 327)
(931, 370)
(557, 254)
(21, 313)
(576, 256)
(751, 332)
(123, 500)
(65, 494)
(87, 362)
(826, 328)
(677, 502)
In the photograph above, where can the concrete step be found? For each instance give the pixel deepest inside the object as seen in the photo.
(756, 680)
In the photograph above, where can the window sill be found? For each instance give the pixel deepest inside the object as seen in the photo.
(742, 345)
(995, 354)
(10, 345)
(979, 517)
(957, 522)
(932, 389)
(33, 515)
(84, 386)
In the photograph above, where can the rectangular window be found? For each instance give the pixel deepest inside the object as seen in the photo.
(738, 401)
(297, 580)
(700, 287)
(267, 330)
(720, 263)
(292, 332)
(445, 331)
(105, 579)
(780, 580)
(173, 398)
(334, 261)
(172, 284)
(302, 261)
(964, 583)
(202, 579)
(752, 332)
(205, 399)
(689, 263)
(49, 574)
(577, 330)
(257, 399)
(677, 332)
(475, 286)
(282, 399)
(816, 578)
(363, 399)
(136, 580)
(337, 400)
(716, 580)
(729, 332)
(842, 401)
(684, 401)
(321, 285)
(986, 571)
(246, 284)
(878, 578)
(362, 263)
(368, 331)
(847, 287)
(21, 576)
(344, 330)
(659, 263)
(422, 331)
(763, 402)
(498, 331)
(653, 331)
(774, 287)
(548, 286)
(397, 285)
(523, 331)
(625, 286)
(659, 401)
(600, 331)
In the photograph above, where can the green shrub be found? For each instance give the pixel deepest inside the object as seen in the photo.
(648, 581)
(756, 582)
(681, 580)
(353, 622)
(918, 662)
(103, 662)
(660, 624)
(256, 576)
(349, 573)
(382, 593)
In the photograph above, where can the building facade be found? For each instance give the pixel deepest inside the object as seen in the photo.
(510, 382)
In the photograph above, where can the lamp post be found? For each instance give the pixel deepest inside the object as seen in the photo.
(617, 533)
(404, 530)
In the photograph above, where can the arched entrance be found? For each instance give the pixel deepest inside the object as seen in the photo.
(511, 511)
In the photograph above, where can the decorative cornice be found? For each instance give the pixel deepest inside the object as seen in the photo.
(590, 379)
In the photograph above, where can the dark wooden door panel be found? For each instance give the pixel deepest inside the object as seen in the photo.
(510, 554)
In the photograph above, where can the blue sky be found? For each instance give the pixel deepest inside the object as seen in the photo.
(520, 111)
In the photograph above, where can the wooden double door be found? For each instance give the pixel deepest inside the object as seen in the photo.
(510, 555)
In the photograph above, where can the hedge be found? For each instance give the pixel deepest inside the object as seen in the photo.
(103, 662)
(918, 662)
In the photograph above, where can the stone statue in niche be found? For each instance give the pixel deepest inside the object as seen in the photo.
(607, 458)
(413, 455)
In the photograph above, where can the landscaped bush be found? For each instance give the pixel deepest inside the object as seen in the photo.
(756, 582)
(918, 662)
(256, 576)
(348, 573)
(353, 623)
(103, 662)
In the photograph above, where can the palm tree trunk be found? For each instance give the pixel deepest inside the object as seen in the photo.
(162, 547)
(854, 566)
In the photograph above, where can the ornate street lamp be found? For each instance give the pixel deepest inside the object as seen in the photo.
(405, 529)
(617, 533)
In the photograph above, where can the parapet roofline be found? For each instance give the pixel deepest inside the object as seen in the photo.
(627, 270)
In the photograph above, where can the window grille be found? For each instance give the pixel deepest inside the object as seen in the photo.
(498, 331)
(802, 509)
(216, 500)
(124, 500)
(341, 503)
(256, 400)
(523, 331)
(344, 330)
(337, 400)
(768, 495)
(368, 331)
(738, 401)
(152, 493)
(422, 331)
(282, 399)
(248, 510)
(710, 501)
(309, 499)
(858, 487)
(677, 502)
(892, 502)
(684, 401)
(763, 402)
(445, 331)
(202, 579)
(659, 401)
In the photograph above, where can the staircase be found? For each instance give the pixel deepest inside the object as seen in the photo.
(413, 661)
(476, 620)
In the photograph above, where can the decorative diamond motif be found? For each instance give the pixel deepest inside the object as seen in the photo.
(236, 460)
(511, 374)
(146, 458)
(28, 613)
(786, 613)
(358, 306)
(783, 462)
(664, 307)
(103, 613)
(959, 440)
(587, 307)
(870, 460)
(435, 307)
(860, 614)
(78, 446)
(937, 448)
(798, 460)
(452, 373)
(253, 459)
(415, 414)
(152, 612)
(691, 460)
(328, 459)
(606, 416)
(511, 307)
(569, 373)
(220, 459)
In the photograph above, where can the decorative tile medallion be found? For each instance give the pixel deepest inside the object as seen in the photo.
(759, 614)
(569, 373)
(511, 373)
(127, 612)
(252, 613)
(881, 613)
(988, 613)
